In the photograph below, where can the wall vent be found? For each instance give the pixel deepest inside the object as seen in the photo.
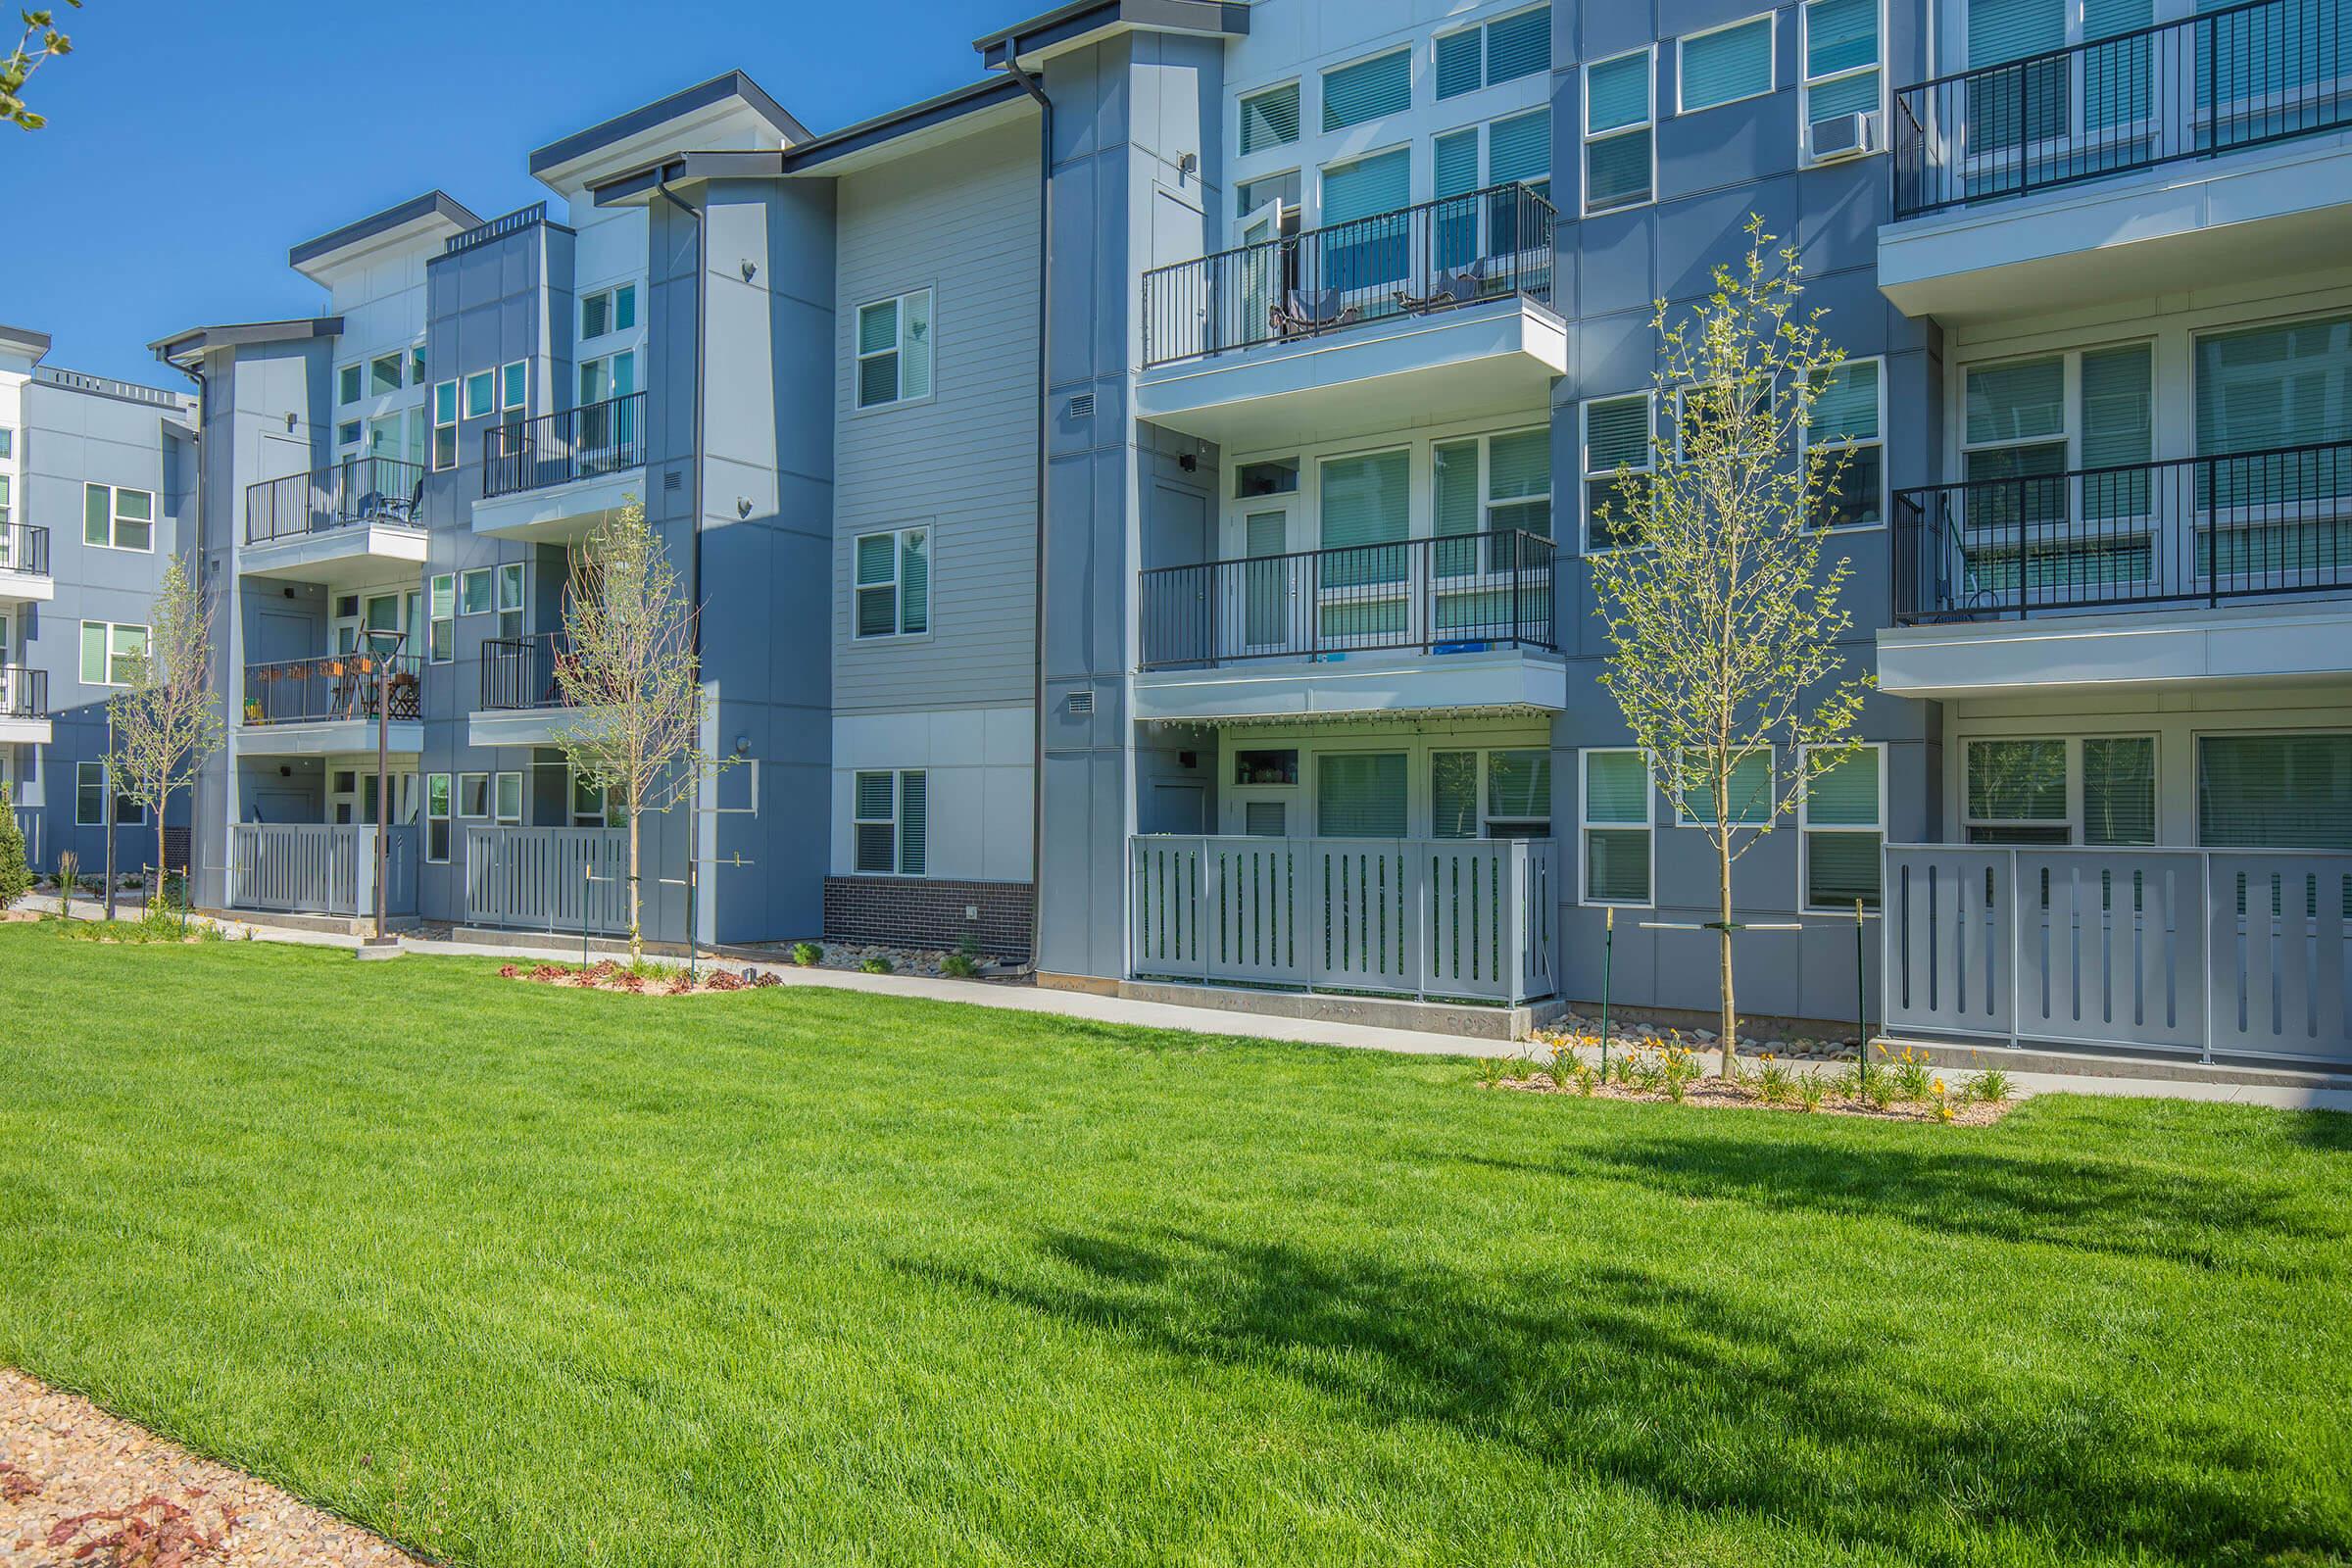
(673, 481)
(1081, 704)
(1082, 406)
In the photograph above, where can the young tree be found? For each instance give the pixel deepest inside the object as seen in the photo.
(1724, 622)
(16, 877)
(167, 721)
(632, 672)
(41, 43)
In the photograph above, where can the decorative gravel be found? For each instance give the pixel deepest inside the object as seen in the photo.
(80, 1487)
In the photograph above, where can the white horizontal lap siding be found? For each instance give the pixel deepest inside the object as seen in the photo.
(960, 220)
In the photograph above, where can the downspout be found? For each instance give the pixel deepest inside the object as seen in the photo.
(1044, 343)
(694, 569)
(194, 371)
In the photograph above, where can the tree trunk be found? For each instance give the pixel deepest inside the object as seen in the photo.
(636, 940)
(155, 894)
(1730, 1014)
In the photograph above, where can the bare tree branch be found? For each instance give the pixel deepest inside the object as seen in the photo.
(167, 721)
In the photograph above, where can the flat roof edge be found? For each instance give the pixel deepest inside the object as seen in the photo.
(432, 204)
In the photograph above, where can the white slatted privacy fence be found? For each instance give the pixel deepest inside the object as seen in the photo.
(320, 868)
(2232, 952)
(538, 878)
(1435, 919)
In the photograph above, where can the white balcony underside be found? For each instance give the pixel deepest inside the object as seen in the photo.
(1509, 680)
(336, 558)
(521, 726)
(2284, 645)
(24, 733)
(26, 587)
(1496, 357)
(562, 513)
(405, 737)
(2268, 212)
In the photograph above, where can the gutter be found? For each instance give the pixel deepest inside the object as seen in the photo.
(1045, 344)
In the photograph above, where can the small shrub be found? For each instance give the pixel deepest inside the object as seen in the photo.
(1811, 1090)
(16, 877)
(1587, 1076)
(967, 946)
(1678, 1070)
(1913, 1078)
(958, 966)
(807, 954)
(1492, 1071)
(69, 867)
(1992, 1086)
(1772, 1080)
(878, 964)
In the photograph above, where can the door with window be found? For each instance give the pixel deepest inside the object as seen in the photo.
(1262, 592)
(606, 428)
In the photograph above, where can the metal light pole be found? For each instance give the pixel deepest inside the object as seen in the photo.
(106, 778)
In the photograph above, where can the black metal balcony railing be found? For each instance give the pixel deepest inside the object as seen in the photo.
(331, 687)
(520, 672)
(2192, 530)
(1433, 593)
(570, 444)
(2224, 79)
(24, 692)
(24, 548)
(357, 490)
(1487, 245)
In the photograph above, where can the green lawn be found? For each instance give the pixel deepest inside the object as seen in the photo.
(531, 1276)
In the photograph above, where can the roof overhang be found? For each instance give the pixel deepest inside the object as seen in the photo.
(1084, 20)
(729, 107)
(25, 341)
(184, 349)
(433, 216)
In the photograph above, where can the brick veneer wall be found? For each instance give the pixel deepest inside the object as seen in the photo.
(913, 911)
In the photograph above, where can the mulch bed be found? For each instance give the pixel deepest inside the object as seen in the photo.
(1716, 1094)
(611, 976)
(80, 1487)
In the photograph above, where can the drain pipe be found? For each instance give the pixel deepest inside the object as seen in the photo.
(694, 569)
(1045, 344)
(194, 371)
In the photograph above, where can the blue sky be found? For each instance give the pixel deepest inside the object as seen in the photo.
(189, 144)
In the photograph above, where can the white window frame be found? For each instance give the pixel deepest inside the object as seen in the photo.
(1324, 74)
(1805, 84)
(511, 572)
(1484, 802)
(2075, 815)
(416, 366)
(466, 581)
(1584, 824)
(498, 797)
(515, 388)
(399, 365)
(489, 405)
(1772, 75)
(1585, 137)
(859, 356)
(436, 585)
(115, 518)
(1241, 101)
(449, 801)
(897, 778)
(433, 413)
(1806, 443)
(354, 374)
(897, 584)
(111, 627)
(461, 805)
(1584, 459)
(1805, 829)
(105, 787)
(610, 294)
(1772, 806)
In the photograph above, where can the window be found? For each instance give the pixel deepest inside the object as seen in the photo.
(1503, 50)
(506, 799)
(2261, 390)
(1250, 195)
(513, 393)
(887, 823)
(1619, 165)
(436, 818)
(1841, 59)
(90, 800)
(2274, 791)
(2032, 421)
(5, 514)
(2119, 791)
(510, 598)
(475, 592)
(1846, 426)
(1753, 790)
(2016, 792)
(1617, 453)
(1841, 827)
(609, 310)
(590, 806)
(1266, 819)
(1515, 800)
(1499, 486)
(347, 434)
(347, 384)
(601, 380)
(1365, 501)
(1516, 150)
(441, 624)
(1366, 254)
(1725, 65)
(110, 651)
(383, 375)
(1360, 795)
(481, 394)
(116, 517)
(416, 366)
(8, 441)
(894, 583)
(1367, 90)
(894, 350)
(1270, 119)
(445, 425)
(473, 795)
(1617, 800)
(1266, 768)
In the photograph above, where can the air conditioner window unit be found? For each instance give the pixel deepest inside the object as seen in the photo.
(1842, 137)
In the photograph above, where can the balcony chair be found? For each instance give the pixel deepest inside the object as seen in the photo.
(1313, 311)
(1460, 287)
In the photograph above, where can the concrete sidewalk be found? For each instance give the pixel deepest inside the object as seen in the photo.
(1256, 1026)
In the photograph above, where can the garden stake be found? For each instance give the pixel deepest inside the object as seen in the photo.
(1861, 997)
(1608, 952)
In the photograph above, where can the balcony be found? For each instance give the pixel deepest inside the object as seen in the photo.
(2160, 160)
(25, 566)
(1463, 622)
(320, 869)
(1433, 920)
(555, 477)
(23, 706)
(337, 526)
(522, 698)
(1358, 325)
(310, 706)
(2234, 568)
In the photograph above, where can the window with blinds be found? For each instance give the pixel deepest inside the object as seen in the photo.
(2017, 792)
(1360, 795)
(1843, 833)
(2119, 791)
(1751, 794)
(1616, 802)
(1844, 429)
(892, 584)
(1841, 59)
(2289, 792)
(1365, 502)
(1367, 90)
(890, 822)
(1453, 795)
(1617, 453)
(1519, 793)
(1617, 132)
(1270, 119)
(1502, 50)
(1725, 65)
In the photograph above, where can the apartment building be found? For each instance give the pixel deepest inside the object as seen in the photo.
(97, 480)
(1143, 506)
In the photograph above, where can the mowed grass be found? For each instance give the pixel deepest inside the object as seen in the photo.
(522, 1275)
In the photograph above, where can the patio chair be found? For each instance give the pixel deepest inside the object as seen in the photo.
(1461, 287)
(1313, 311)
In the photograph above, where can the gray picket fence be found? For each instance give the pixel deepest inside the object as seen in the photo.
(560, 879)
(320, 868)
